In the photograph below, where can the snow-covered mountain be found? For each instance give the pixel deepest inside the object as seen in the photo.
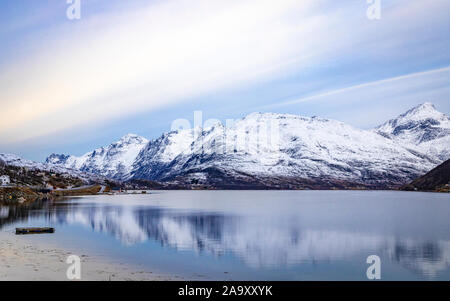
(113, 161)
(423, 127)
(14, 160)
(308, 148)
(280, 150)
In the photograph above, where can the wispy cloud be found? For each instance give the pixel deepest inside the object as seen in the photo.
(121, 63)
(115, 64)
(378, 87)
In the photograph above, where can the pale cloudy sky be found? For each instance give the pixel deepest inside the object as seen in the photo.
(135, 66)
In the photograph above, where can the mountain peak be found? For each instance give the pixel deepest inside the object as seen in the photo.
(426, 104)
(57, 159)
(133, 138)
(112, 161)
(423, 111)
(420, 124)
(130, 136)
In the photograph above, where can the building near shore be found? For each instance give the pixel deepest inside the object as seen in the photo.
(5, 180)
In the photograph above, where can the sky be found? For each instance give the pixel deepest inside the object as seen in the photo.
(72, 85)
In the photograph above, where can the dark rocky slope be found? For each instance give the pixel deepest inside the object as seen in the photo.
(438, 179)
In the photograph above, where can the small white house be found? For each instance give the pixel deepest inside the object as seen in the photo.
(4, 180)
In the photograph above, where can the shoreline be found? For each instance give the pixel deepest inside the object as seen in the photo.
(25, 259)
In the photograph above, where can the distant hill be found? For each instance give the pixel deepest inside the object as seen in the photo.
(23, 176)
(33, 174)
(437, 179)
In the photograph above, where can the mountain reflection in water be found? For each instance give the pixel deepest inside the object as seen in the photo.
(260, 237)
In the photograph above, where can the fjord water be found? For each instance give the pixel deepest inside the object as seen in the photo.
(257, 235)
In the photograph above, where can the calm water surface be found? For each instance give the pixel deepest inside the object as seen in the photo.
(256, 235)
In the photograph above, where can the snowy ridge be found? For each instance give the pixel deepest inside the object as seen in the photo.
(309, 148)
(265, 146)
(113, 161)
(14, 160)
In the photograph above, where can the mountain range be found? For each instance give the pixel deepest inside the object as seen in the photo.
(10, 160)
(28, 173)
(422, 127)
(267, 150)
(114, 161)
